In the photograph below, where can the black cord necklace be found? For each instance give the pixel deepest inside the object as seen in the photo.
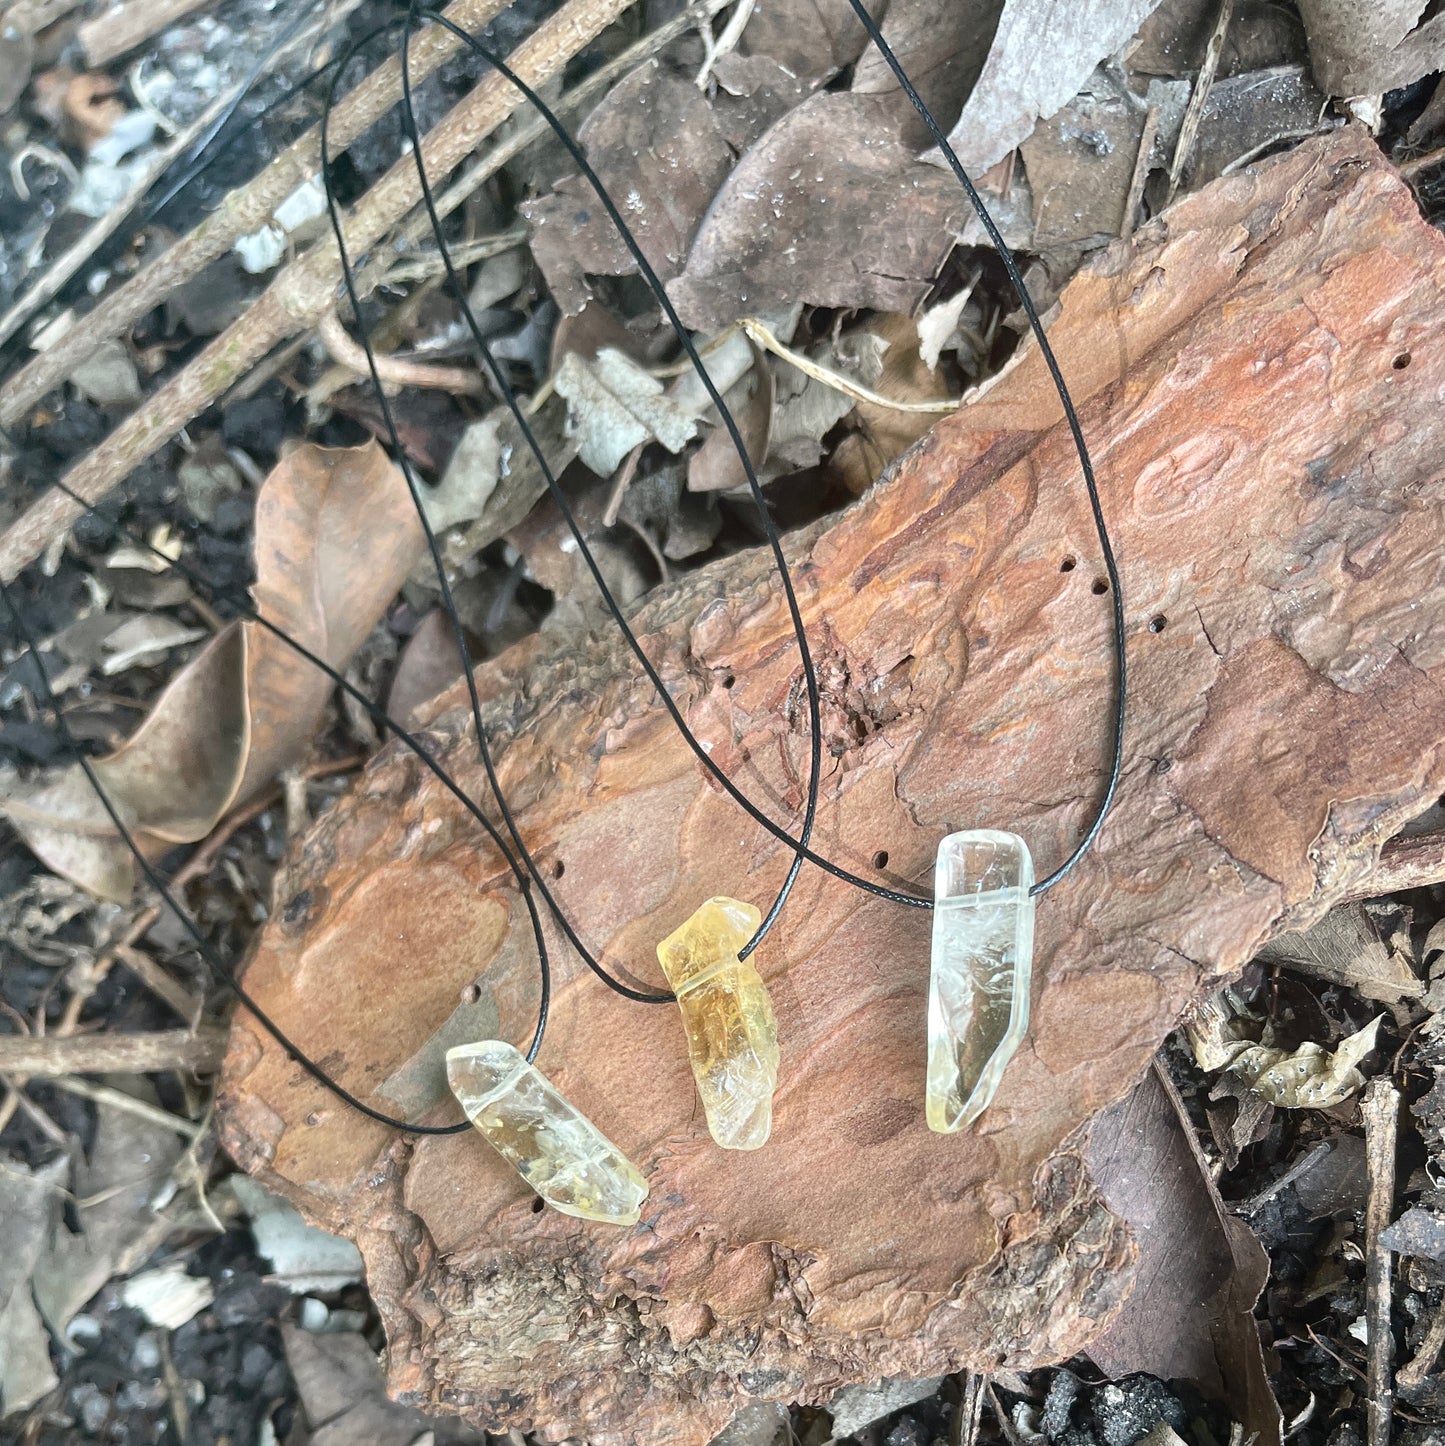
(984, 879)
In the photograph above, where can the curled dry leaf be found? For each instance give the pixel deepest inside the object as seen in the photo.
(1365, 47)
(1042, 54)
(1310, 1077)
(836, 166)
(493, 477)
(716, 466)
(614, 406)
(336, 533)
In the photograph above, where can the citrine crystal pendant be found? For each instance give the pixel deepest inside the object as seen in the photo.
(732, 1038)
(983, 947)
(554, 1147)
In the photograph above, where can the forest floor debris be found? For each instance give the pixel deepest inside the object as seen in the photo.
(133, 1304)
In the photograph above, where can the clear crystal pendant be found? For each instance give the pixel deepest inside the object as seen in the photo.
(983, 946)
(552, 1145)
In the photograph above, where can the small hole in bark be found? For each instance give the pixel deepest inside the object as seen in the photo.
(471, 993)
(558, 869)
(729, 681)
(1158, 623)
(1401, 361)
(538, 1205)
(880, 859)
(1100, 587)
(1068, 564)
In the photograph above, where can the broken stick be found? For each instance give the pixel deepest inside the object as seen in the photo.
(1381, 1109)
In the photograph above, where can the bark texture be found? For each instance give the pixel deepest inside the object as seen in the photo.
(1260, 378)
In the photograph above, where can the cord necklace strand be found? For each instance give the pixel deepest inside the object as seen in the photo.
(800, 844)
(526, 870)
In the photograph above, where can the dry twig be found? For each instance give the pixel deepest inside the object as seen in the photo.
(391, 369)
(121, 27)
(45, 1056)
(245, 209)
(75, 256)
(304, 291)
(1380, 1107)
(1199, 97)
(1414, 1371)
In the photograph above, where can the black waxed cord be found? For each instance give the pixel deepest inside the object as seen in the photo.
(458, 631)
(1121, 679)
(222, 972)
(459, 294)
(799, 845)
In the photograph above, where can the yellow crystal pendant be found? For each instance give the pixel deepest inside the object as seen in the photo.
(983, 950)
(552, 1145)
(732, 1038)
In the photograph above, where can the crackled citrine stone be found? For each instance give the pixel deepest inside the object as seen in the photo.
(732, 1038)
(983, 948)
(552, 1145)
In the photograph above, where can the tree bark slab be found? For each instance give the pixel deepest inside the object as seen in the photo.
(1260, 378)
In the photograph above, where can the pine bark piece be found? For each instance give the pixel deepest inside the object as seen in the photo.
(1256, 374)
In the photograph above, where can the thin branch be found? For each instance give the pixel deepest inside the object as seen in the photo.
(243, 211)
(48, 1055)
(764, 338)
(74, 257)
(303, 292)
(1199, 97)
(1381, 1110)
(407, 238)
(1145, 153)
(113, 1099)
(122, 27)
(399, 372)
(1413, 862)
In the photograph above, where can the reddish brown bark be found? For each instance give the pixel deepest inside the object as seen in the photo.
(1260, 378)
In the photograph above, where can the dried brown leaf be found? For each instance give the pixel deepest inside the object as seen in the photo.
(430, 662)
(1042, 54)
(656, 146)
(811, 39)
(1081, 161)
(1200, 1269)
(1365, 47)
(336, 534)
(836, 166)
(1348, 947)
(614, 406)
(942, 46)
(125, 1207)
